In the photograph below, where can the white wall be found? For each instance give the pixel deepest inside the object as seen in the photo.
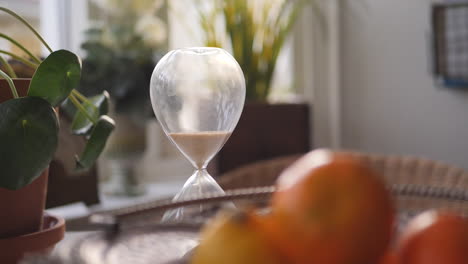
(390, 101)
(317, 70)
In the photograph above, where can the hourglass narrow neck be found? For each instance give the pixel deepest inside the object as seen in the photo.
(201, 171)
(200, 147)
(200, 165)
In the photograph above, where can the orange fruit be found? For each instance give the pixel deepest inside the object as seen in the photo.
(232, 239)
(330, 208)
(435, 237)
(390, 258)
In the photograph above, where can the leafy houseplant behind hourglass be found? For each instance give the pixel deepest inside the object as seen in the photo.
(255, 32)
(197, 95)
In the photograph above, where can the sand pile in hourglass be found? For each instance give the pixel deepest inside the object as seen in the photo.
(200, 146)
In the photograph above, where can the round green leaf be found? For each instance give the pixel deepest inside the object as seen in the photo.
(96, 143)
(28, 140)
(56, 77)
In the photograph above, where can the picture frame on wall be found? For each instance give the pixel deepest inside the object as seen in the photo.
(450, 42)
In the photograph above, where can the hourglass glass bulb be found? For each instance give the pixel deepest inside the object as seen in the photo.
(197, 95)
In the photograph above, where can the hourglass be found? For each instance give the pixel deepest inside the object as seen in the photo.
(197, 95)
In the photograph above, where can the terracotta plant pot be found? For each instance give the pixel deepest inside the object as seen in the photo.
(41, 242)
(22, 210)
(22, 86)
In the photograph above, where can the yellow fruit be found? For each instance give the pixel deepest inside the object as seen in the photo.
(232, 239)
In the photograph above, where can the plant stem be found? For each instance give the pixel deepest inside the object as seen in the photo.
(81, 96)
(8, 67)
(20, 46)
(10, 83)
(10, 12)
(84, 99)
(23, 60)
(80, 107)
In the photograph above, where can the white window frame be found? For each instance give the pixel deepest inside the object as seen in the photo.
(317, 63)
(63, 23)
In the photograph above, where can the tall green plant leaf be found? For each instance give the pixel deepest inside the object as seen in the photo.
(28, 140)
(56, 77)
(95, 106)
(96, 143)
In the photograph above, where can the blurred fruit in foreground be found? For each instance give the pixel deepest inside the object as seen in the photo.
(435, 238)
(330, 208)
(231, 239)
(390, 258)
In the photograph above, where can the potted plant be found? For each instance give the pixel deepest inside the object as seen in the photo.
(29, 130)
(256, 32)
